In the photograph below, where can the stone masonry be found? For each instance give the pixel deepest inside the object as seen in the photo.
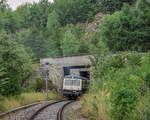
(57, 64)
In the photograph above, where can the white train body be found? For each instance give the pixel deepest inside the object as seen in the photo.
(74, 85)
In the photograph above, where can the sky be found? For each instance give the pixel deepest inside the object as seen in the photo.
(15, 3)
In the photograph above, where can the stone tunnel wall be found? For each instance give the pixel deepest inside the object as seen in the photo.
(56, 67)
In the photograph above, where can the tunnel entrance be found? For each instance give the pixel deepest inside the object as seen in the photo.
(85, 74)
(76, 70)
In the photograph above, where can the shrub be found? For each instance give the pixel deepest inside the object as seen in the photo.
(40, 84)
(110, 64)
(123, 89)
(37, 85)
(142, 111)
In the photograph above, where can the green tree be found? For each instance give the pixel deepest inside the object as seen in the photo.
(8, 21)
(23, 16)
(15, 65)
(73, 11)
(127, 29)
(34, 41)
(53, 22)
(143, 5)
(39, 13)
(70, 43)
(110, 6)
(53, 35)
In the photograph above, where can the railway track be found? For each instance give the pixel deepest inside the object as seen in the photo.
(60, 112)
(13, 111)
(51, 111)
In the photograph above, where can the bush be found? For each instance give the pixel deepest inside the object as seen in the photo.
(123, 90)
(111, 63)
(142, 111)
(37, 85)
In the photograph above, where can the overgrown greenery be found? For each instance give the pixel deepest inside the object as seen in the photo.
(15, 65)
(127, 29)
(123, 81)
(120, 88)
(110, 6)
(40, 26)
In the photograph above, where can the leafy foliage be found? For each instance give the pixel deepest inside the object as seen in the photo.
(110, 6)
(8, 21)
(15, 65)
(40, 26)
(142, 111)
(127, 29)
(54, 35)
(37, 85)
(73, 11)
(70, 43)
(125, 79)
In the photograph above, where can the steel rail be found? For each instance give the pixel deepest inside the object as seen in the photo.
(43, 107)
(19, 108)
(60, 112)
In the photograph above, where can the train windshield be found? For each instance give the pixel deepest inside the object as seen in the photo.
(72, 82)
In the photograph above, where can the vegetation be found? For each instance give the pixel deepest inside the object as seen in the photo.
(38, 30)
(121, 83)
(15, 65)
(110, 6)
(127, 29)
(40, 26)
(120, 88)
(11, 102)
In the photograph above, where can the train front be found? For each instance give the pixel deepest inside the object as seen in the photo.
(72, 86)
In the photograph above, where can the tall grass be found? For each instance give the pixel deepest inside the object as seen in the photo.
(7, 103)
(95, 106)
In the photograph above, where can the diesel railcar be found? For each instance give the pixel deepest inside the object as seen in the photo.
(74, 86)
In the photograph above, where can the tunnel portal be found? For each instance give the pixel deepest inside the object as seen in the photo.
(67, 65)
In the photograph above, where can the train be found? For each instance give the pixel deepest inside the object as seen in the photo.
(74, 86)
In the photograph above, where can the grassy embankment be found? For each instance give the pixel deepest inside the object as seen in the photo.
(7, 103)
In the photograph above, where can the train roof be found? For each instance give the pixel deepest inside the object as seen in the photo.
(74, 76)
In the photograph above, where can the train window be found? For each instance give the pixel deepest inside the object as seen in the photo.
(68, 82)
(72, 82)
(76, 82)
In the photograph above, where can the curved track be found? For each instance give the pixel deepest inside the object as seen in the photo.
(60, 112)
(7, 114)
(51, 111)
